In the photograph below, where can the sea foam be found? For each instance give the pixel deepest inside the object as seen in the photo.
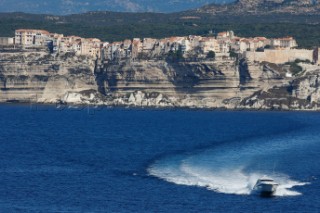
(228, 169)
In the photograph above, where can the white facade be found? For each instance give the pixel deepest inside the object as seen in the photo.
(31, 38)
(210, 44)
(285, 43)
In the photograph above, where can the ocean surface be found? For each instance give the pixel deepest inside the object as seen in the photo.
(80, 159)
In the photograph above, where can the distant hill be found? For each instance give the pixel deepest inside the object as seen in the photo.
(62, 7)
(259, 7)
(233, 7)
(271, 18)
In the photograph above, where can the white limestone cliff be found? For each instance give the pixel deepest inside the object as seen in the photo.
(222, 83)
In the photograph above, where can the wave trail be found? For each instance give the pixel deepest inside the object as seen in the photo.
(230, 169)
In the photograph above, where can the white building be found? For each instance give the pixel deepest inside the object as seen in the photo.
(32, 38)
(208, 44)
(283, 43)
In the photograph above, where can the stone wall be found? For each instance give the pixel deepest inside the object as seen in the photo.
(280, 56)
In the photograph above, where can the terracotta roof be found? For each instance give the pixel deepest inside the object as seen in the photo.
(72, 37)
(204, 39)
(176, 38)
(260, 38)
(117, 43)
(288, 38)
(93, 39)
(33, 31)
(222, 33)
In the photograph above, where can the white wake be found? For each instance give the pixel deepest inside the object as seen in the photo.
(227, 181)
(227, 170)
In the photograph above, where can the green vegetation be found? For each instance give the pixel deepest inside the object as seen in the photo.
(302, 61)
(175, 56)
(260, 49)
(211, 54)
(118, 26)
(233, 54)
(294, 67)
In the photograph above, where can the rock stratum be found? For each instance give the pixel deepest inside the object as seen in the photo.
(229, 83)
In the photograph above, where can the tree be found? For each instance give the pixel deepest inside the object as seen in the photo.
(211, 54)
(260, 49)
(175, 56)
(267, 46)
(233, 54)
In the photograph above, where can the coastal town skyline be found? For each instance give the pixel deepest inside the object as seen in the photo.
(221, 44)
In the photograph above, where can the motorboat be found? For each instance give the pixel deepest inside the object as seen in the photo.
(265, 186)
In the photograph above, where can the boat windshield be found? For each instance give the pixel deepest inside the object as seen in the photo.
(269, 180)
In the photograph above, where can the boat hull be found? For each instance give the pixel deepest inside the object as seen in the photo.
(266, 189)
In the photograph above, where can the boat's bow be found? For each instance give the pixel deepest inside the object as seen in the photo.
(266, 186)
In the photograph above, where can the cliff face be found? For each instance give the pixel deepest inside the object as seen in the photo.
(222, 83)
(39, 77)
(202, 84)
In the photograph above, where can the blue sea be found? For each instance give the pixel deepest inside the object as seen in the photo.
(85, 159)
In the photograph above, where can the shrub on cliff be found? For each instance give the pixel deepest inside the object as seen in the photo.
(294, 67)
(233, 54)
(175, 56)
(211, 55)
(302, 61)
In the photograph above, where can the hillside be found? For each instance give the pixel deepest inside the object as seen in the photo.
(63, 7)
(271, 18)
(259, 7)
